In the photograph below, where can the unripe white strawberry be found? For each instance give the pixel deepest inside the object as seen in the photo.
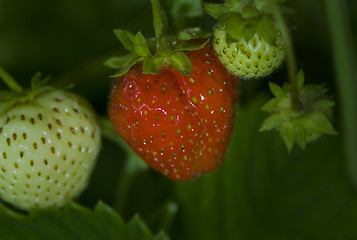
(48, 147)
(254, 58)
(249, 37)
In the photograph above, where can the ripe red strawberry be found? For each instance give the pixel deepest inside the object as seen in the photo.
(180, 125)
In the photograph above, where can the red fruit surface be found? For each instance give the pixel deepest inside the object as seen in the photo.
(180, 125)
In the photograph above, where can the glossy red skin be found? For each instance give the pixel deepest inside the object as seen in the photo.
(179, 126)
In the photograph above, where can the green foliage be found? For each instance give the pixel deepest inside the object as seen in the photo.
(215, 10)
(122, 63)
(72, 222)
(140, 52)
(261, 192)
(345, 60)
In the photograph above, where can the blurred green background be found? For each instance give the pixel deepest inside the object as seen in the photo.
(260, 192)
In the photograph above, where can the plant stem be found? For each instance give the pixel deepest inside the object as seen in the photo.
(158, 25)
(10, 81)
(291, 59)
(346, 76)
(162, 46)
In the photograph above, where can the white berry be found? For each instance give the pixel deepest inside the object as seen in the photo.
(48, 148)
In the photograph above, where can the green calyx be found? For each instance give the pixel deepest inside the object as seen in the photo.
(238, 28)
(301, 125)
(245, 18)
(158, 52)
(142, 50)
(16, 94)
(245, 8)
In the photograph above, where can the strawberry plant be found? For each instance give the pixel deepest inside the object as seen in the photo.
(285, 170)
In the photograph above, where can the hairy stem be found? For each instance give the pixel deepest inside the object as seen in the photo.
(162, 45)
(291, 59)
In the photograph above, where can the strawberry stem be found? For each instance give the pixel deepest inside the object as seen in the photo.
(346, 78)
(162, 45)
(10, 81)
(291, 60)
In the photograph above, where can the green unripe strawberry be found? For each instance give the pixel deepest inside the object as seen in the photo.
(254, 58)
(248, 37)
(49, 142)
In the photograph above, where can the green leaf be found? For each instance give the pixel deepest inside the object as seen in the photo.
(300, 79)
(123, 63)
(249, 31)
(235, 26)
(37, 81)
(270, 123)
(138, 230)
(73, 222)
(262, 192)
(126, 38)
(287, 132)
(301, 138)
(319, 123)
(187, 46)
(140, 46)
(276, 90)
(266, 30)
(184, 36)
(161, 236)
(325, 105)
(181, 62)
(153, 65)
(189, 34)
(10, 81)
(214, 9)
(271, 106)
(239, 28)
(118, 62)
